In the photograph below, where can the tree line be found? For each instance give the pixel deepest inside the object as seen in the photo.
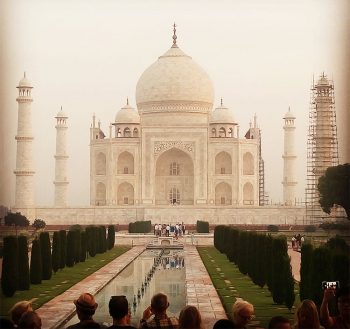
(66, 249)
(329, 262)
(262, 257)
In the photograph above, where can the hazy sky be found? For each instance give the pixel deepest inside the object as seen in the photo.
(88, 56)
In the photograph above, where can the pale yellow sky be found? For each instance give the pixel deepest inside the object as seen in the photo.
(88, 55)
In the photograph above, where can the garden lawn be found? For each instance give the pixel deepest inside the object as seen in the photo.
(60, 281)
(230, 283)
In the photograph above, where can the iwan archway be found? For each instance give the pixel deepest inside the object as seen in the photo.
(174, 178)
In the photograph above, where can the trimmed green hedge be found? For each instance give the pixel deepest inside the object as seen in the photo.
(140, 227)
(202, 226)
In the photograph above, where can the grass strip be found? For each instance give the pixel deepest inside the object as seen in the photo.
(230, 284)
(60, 281)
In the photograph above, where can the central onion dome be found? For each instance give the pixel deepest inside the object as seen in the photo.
(174, 83)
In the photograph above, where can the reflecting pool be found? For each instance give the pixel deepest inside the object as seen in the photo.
(153, 271)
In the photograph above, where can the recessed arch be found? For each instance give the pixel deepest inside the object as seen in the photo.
(248, 193)
(248, 164)
(127, 132)
(222, 132)
(135, 132)
(223, 194)
(174, 169)
(100, 164)
(125, 194)
(125, 163)
(213, 132)
(100, 194)
(223, 164)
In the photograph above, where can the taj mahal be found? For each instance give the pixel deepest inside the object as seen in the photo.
(179, 156)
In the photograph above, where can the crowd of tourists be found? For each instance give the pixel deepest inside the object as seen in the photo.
(175, 231)
(155, 316)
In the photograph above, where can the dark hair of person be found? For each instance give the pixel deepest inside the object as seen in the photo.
(159, 302)
(6, 323)
(118, 307)
(190, 318)
(223, 324)
(274, 321)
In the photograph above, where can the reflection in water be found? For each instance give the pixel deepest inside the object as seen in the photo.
(152, 272)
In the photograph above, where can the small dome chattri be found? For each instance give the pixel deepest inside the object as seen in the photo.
(289, 115)
(127, 114)
(222, 115)
(61, 114)
(24, 82)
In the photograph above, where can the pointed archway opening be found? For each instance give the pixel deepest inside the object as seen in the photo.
(174, 178)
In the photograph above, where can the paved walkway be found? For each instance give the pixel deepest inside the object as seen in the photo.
(295, 259)
(200, 291)
(57, 310)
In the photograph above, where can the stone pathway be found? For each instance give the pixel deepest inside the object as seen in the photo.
(295, 259)
(57, 310)
(200, 290)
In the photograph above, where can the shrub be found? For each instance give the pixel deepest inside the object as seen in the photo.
(35, 263)
(310, 228)
(91, 241)
(56, 251)
(77, 245)
(272, 228)
(83, 246)
(140, 227)
(16, 219)
(39, 224)
(46, 258)
(111, 236)
(63, 248)
(23, 263)
(70, 249)
(202, 226)
(9, 276)
(289, 287)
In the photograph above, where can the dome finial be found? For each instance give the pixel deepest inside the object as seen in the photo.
(127, 100)
(174, 36)
(24, 73)
(221, 102)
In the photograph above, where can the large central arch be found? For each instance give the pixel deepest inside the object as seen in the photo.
(174, 172)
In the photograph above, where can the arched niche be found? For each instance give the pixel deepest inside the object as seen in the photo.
(100, 194)
(248, 164)
(174, 169)
(125, 194)
(223, 164)
(248, 194)
(222, 132)
(125, 163)
(100, 164)
(223, 194)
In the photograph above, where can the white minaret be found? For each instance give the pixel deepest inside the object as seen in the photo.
(61, 157)
(24, 172)
(289, 158)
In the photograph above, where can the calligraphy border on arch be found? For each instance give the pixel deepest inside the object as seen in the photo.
(160, 147)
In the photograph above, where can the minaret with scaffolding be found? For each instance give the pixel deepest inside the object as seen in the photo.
(322, 144)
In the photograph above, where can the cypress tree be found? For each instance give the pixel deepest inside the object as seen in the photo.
(268, 260)
(56, 251)
(77, 246)
(23, 263)
(243, 250)
(83, 246)
(259, 262)
(306, 271)
(46, 257)
(111, 236)
(289, 286)
(36, 268)
(279, 253)
(70, 249)
(340, 268)
(9, 276)
(63, 248)
(321, 271)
